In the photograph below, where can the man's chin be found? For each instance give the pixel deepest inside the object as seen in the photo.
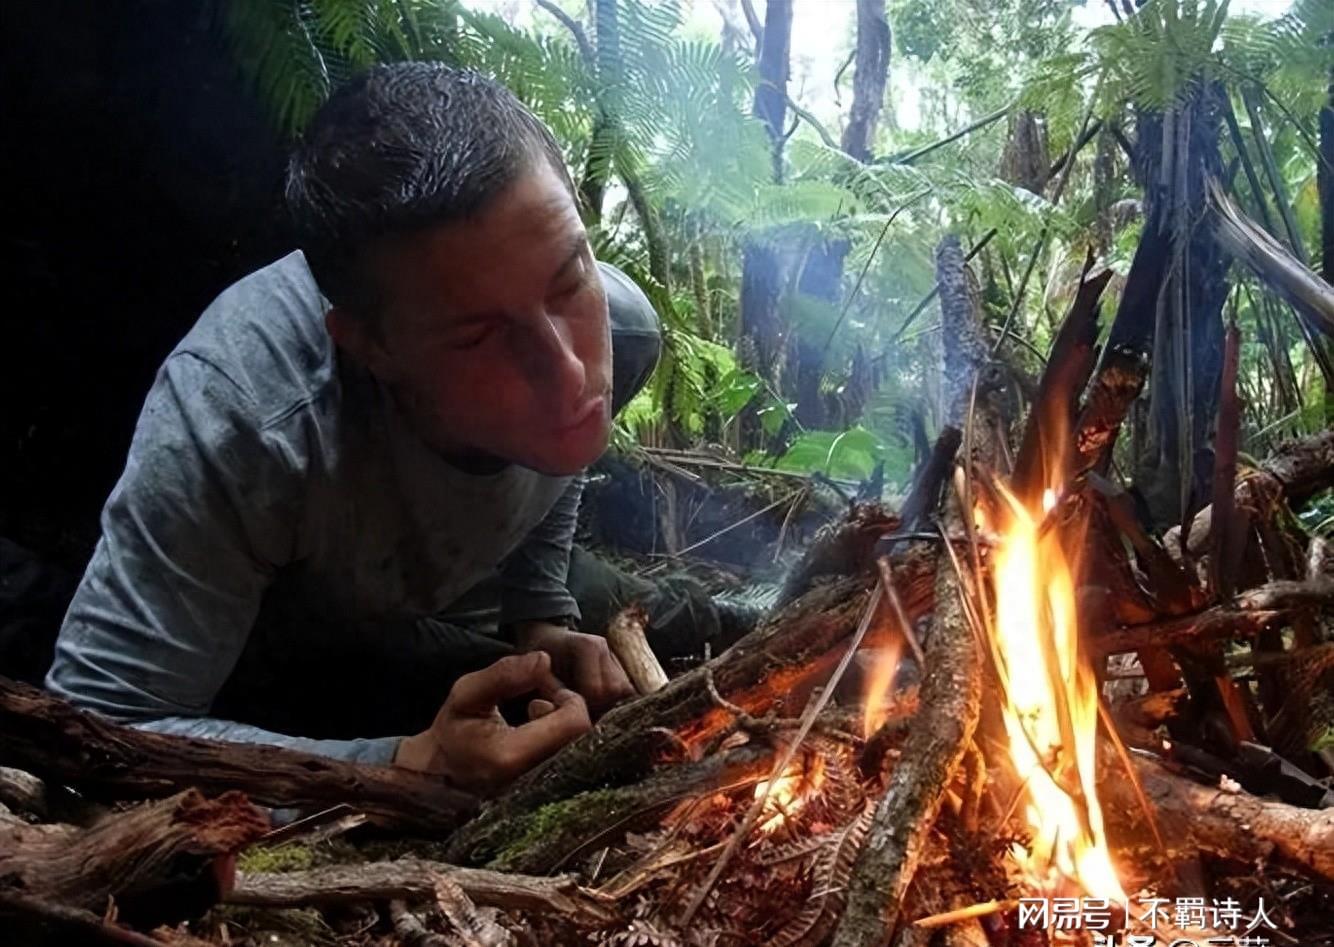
(568, 455)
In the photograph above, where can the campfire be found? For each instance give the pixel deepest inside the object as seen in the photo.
(933, 740)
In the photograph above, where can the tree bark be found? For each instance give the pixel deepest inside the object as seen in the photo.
(412, 878)
(762, 333)
(145, 857)
(52, 739)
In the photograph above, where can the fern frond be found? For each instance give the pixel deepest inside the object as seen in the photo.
(273, 45)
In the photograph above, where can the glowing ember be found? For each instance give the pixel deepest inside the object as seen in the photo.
(791, 792)
(1051, 703)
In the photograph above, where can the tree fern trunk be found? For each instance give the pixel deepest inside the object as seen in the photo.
(761, 343)
(606, 129)
(1183, 388)
(771, 93)
(822, 276)
(1325, 180)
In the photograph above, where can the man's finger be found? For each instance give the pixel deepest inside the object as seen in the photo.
(513, 676)
(602, 680)
(534, 741)
(539, 708)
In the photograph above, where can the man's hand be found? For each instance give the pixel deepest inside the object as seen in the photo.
(583, 661)
(472, 746)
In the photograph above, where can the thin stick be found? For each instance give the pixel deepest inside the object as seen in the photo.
(965, 914)
(896, 603)
(1124, 756)
(780, 767)
(787, 520)
(925, 150)
(726, 529)
(870, 258)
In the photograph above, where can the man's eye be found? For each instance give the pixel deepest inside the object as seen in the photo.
(565, 292)
(472, 339)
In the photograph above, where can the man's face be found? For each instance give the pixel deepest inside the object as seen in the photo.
(494, 336)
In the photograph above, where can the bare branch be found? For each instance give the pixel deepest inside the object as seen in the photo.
(571, 24)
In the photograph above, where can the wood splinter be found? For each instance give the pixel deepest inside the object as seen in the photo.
(629, 643)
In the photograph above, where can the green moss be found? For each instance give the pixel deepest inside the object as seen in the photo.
(292, 856)
(524, 833)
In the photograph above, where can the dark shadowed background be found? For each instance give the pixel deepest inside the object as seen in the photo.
(140, 179)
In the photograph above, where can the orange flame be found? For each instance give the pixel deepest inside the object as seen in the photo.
(1050, 702)
(790, 793)
(879, 683)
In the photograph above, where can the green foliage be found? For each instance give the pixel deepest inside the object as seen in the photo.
(846, 455)
(673, 114)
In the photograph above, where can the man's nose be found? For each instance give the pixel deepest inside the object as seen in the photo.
(553, 359)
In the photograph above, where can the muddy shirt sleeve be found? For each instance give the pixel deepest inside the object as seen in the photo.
(533, 576)
(191, 536)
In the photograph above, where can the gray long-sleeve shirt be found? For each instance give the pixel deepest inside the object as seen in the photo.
(269, 477)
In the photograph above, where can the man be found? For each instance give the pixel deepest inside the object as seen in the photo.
(355, 436)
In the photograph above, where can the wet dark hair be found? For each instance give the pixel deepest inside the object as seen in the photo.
(398, 149)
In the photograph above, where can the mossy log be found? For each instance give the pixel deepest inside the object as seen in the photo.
(547, 840)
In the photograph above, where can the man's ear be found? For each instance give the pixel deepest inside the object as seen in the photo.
(357, 336)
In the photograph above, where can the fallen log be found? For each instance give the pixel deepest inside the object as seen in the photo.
(1228, 823)
(1276, 267)
(155, 850)
(414, 879)
(1243, 617)
(52, 739)
(548, 838)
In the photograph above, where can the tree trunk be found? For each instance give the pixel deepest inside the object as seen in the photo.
(761, 337)
(822, 276)
(1178, 153)
(1325, 179)
(771, 93)
(606, 129)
